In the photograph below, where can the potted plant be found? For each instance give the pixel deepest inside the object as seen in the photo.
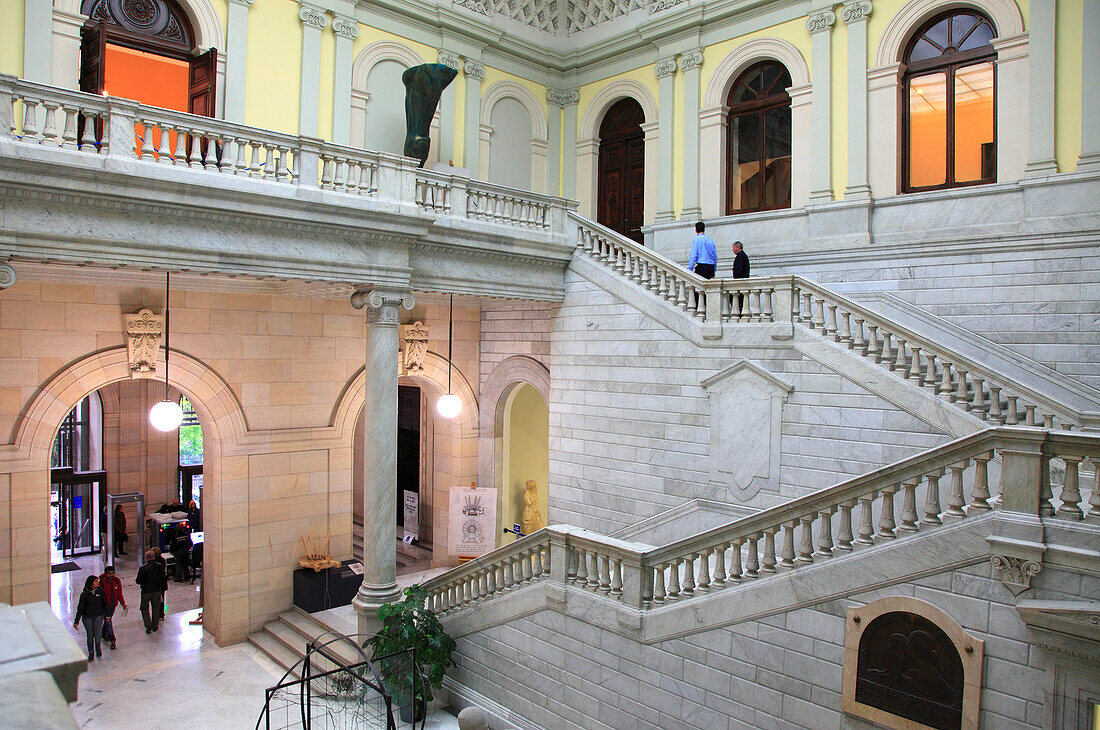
(410, 625)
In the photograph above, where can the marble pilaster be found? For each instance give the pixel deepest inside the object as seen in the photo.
(855, 14)
(475, 74)
(820, 26)
(447, 107)
(691, 64)
(313, 20)
(1089, 159)
(347, 30)
(665, 70)
(382, 309)
(236, 57)
(37, 41)
(569, 144)
(1040, 89)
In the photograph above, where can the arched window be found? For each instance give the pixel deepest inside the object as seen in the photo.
(949, 86)
(758, 153)
(190, 461)
(72, 444)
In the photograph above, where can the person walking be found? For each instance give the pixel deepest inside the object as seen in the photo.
(150, 577)
(112, 591)
(159, 557)
(740, 270)
(704, 255)
(120, 531)
(90, 610)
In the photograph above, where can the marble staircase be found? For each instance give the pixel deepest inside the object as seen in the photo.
(284, 640)
(409, 557)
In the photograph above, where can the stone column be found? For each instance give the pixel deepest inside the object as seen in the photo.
(665, 69)
(691, 63)
(820, 25)
(1089, 161)
(475, 74)
(569, 144)
(1040, 89)
(855, 14)
(447, 109)
(346, 30)
(313, 20)
(236, 58)
(556, 100)
(38, 41)
(379, 557)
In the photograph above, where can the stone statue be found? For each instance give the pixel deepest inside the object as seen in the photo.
(532, 518)
(423, 86)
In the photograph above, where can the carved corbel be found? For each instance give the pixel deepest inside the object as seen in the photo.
(414, 340)
(1016, 572)
(143, 332)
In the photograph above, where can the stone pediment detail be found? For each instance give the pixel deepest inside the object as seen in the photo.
(143, 332)
(746, 421)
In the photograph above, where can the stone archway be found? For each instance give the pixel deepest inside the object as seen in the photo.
(25, 464)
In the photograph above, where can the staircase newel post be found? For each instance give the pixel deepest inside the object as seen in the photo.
(634, 583)
(1017, 543)
(559, 564)
(783, 307)
(120, 134)
(7, 108)
(712, 326)
(309, 162)
(459, 195)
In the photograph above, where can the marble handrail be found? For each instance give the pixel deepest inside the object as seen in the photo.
(978, 389)
(53, 117)
(501, 570)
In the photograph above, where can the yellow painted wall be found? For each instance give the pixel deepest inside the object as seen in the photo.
(1067, 89)
(643, 76)
(527, 454)
(11, 39)
(274, 66)
(494, 75)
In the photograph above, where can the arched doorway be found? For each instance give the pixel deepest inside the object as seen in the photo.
(620, 197)
(526, 455)
(146, 51)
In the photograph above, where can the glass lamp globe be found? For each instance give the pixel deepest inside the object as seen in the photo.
(449, 405)
(166, 415)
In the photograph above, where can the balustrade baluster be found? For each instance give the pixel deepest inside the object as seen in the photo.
(719, 578)
(956, 498)
(859, 344)
(825, 534)
(326, 172)
(663, 288)
(845, 331)
(767, 311)
(702, 581)
(752, 557)
(636, 274)
(87, 139)
(831, 329)
(1094, 499)
(1046, 493)
(786, 555)
(604, 585)
(582, 567)
(886, 522)
(659, 584)
(979, 491)
(1048, 420)
(68, 136)
(978, 404)
(147, 151)
(681, 297)
(525, 558)
(909, 506)
(899, 362)
(688, 585)
(872, 349)
(962, 392)
(1029, 419)
(617, 577)
(768, 562)
(674, 580)
(886, 354)
(194, 149)
(594, 577)
(755, 307)
(164, 149)
(995, 412)
(30, 122)
(866, 528)
(932, 507)
(269, 160)
(946, 385)
(915, 371)
(844, 532)
(735, 570)
(806, 544)
(819, 314)
(340, 176)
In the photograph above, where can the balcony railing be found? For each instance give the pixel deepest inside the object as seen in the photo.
(48, 116)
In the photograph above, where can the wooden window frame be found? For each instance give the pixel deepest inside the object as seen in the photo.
(760, 107)
(947, 65)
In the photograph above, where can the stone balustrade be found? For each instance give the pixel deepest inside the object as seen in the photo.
(1033, 471)
(122, 129)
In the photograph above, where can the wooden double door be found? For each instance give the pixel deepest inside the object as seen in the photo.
(621, 186)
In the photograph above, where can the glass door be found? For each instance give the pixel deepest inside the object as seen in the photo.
(80, 501)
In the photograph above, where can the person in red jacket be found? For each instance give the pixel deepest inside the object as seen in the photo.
(112, 589)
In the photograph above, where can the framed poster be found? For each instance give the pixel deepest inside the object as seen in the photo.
(412, 515)
(472, 521)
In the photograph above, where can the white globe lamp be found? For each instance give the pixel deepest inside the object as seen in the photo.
(449, 405)
(166, 415)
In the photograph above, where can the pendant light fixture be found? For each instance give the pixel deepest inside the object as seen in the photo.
(166, 415)
(449, 405)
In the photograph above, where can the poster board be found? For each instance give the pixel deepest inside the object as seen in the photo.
(472, 521)
(411, 519)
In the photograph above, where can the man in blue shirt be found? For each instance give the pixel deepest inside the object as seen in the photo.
(704, 255)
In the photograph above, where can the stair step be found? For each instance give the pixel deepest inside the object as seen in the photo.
(275, 650)
(309, 628)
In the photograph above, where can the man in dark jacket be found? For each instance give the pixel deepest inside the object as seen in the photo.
(112, 591)
(740, 270)
(151, 578)
(181, 551)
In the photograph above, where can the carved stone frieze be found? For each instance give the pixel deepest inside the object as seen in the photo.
(665, 67)
(7, 276)
(820, 21)
(143, 332)
(476, 6)
(312, 16)
(414, 344)
(855, 10)
(474, 70)
(450, 59)
(382, 306)
(563, 97)
(691, 60)
(657, 6)
(345, 26)
(1016, 573)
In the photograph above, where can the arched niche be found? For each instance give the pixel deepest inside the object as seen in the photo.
(378, 98)
(512, 137)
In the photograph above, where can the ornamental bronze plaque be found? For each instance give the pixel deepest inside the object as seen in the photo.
(910, 668)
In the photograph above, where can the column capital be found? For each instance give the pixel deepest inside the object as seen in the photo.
(312, 16)
(7, 276)
(665, 67)
(820, 21)
(691, 60)
(242, 3)
(474, 70)
(855, 10)
(449, 59)
(345, 27)
(382, 306)
(563, 97)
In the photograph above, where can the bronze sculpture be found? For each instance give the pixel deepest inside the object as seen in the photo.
(423, 86)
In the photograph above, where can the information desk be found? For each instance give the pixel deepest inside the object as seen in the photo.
(329, 588)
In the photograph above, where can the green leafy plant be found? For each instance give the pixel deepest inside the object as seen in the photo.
(410, 625)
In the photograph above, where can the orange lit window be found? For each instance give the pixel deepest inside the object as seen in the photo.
(949, 83)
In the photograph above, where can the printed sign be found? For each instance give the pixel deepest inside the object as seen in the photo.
(472, 521)
(412, 516)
